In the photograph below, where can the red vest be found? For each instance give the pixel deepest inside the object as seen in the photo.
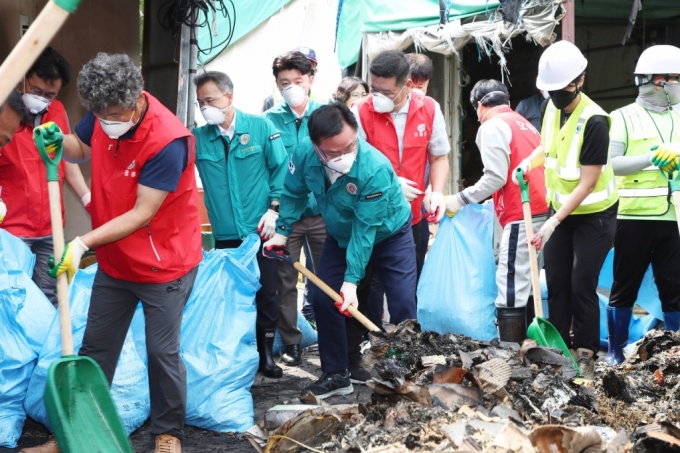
(170, 245)
(381, 133)
(23, 179)
(525, 139)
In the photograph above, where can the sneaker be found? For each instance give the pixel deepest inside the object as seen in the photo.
(357, 375)
(330, 384)
(165, 443)
(292, 356)
(48, 447)
(586, 363)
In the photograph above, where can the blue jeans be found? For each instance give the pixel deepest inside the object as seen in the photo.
(394, 260)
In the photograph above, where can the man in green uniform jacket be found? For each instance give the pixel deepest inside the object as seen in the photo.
(368, 221)
(242, 163)
(294, 77)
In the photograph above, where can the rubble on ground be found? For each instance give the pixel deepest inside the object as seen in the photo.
(449, 393)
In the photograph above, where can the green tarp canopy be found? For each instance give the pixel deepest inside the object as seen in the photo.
(249, 15)
(371, 16)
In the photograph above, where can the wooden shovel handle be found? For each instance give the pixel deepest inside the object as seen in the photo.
(533, 261)
(31, 45)
(62, 281)
(336, 297)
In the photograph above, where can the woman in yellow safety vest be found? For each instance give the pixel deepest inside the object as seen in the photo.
(581, 193)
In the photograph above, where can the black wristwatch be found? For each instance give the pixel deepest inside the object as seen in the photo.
(274, 207)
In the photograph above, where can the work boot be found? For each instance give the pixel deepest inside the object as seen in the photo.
(672, 320)
(618, 321)
(330, 384)
(265, 344)
(586, 363)
(358, 375)
(48, 447)
(511, 324)
(292, 356)
(165, 443)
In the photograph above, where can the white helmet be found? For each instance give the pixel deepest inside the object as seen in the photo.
(559, 65)
(659, 60)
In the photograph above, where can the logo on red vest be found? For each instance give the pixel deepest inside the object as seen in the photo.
(421, 131)
(130, 167)
(351, 188)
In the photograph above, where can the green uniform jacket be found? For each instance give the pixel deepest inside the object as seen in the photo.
(286, 122)
(360, 209)
(240, 177)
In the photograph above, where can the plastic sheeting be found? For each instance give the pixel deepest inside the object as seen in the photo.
(130, 388)
(457, 288)
(15, 255)
(218, 339)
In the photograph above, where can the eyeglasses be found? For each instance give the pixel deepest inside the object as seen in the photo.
(357, 95)
(38, 92)
(331, 154)
(209, 101)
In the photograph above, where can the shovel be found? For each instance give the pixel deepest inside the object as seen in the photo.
(286, 257)
(77, 397)
(31, 45)
(540, 329)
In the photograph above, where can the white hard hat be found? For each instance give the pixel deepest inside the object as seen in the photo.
(659, 60)
(559, 65)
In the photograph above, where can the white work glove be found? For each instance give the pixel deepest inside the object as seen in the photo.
(3, 210)
(524, 165)
(86, 199)
(409, 189)
(436, 205)
(540, 238)
(267, 225)
(276, 244)
(453, 205)
(349, 297)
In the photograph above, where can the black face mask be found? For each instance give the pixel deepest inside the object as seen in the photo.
(562, 98)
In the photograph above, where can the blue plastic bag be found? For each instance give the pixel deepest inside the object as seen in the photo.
(309, 336)
(130, 388)
(457, 288)
(218, 339)
(14, 254)
(17, 361)
(648, 295)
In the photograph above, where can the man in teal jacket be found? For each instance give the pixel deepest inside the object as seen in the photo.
(368, 221)
(242, 163)
(294, 77)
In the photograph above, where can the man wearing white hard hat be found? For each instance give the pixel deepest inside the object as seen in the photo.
(646, 229)
(582, 196)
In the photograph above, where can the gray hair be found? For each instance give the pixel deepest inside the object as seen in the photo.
(109, 80)
(490, 93)
(220, 79)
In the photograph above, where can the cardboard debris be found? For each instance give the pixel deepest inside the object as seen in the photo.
(562, 439)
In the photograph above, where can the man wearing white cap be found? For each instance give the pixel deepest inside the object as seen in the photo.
(581, 195)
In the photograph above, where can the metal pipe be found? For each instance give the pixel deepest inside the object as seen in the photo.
(193, 59)
(183, 76)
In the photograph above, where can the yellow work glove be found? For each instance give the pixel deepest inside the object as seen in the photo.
(52, 141)
(667, 156)
(70, 260)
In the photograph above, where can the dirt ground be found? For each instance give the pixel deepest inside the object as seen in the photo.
(266, 393)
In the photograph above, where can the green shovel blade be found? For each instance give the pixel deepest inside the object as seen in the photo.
(81, 410)
(546, 334)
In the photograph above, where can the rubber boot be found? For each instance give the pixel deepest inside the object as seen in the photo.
(672, 320)
(511, 324)
(265, 345)
(618, 321)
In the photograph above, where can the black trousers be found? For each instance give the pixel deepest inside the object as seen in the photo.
(265, 299)
(112, 306)
(639, 243)
(573, 258)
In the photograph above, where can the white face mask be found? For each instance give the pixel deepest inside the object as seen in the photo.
(545, 94)
(34, 103)
(294, 95)
(383, 104)
(343, 163)
(115, 129)
(214, 115)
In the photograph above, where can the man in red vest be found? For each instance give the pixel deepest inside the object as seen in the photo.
(504, 139)
(23, 179)
(146, 234)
